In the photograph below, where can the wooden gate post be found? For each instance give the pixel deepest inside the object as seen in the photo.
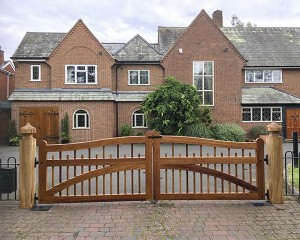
(275, 163)
(27, 167)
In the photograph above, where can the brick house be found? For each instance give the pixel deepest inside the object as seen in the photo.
(7, 70)
(245, 76)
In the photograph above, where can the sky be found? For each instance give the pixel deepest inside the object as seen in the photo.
(118, 21)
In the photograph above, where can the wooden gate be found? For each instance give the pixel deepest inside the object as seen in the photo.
(151, 167)
(44, 119)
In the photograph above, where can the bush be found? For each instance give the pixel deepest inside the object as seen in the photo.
(228, 132)
(255, 131)
(126, 130)
(199, 130)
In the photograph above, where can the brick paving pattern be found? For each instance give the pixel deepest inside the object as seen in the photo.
(218, 220)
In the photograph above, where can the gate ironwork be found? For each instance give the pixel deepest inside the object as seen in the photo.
(151, 167)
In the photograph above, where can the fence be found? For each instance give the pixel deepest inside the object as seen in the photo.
(291, 174)
(9, 179)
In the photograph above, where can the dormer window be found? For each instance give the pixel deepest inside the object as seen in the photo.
(263, 76)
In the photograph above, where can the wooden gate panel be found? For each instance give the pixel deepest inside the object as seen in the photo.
(228, 171)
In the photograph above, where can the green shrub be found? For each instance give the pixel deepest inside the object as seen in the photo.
(228, 132)
(199, 130)
(255, 131)
(140, 133)
(126, 130)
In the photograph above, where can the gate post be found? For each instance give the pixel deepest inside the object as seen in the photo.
(27, 167)
(275, 163)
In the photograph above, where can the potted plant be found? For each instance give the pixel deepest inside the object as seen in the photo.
(65, 129)
(13, 137)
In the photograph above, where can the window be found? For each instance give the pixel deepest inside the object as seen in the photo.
(203, 80)
(262, 114)
(138, 119)
(263, 76)
(35, 73)
(138, 77)
(81, 119)
(81, 74)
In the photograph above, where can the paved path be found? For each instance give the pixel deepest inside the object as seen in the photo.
(164, 220)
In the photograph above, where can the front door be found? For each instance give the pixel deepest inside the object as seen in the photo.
(292, 122)
(44, 119)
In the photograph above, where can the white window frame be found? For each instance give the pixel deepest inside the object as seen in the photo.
(134, 116)
(139, 78)
(86, 116)
(263, 80)
(261, 113)
(31, 73)
(76, 71)
(213, 80)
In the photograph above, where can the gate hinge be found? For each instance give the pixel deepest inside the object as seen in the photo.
(35, 162)
(266, 159)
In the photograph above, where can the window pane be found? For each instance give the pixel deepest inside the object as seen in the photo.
(258, 76)
(91, 74)
(144, 77)
(266, 114)
(208, 98)
(80, 120)
(139, 120)
(198, 68)
(70, 74)
(208, 83)
(247, 114)
(207, 68)
(133, 77)
(268, 76)
(81, 77)
(277, 76)
(81, 68)
(249, 76)
(256, 114)
(35, 73)
(198, 83)
(276, 116)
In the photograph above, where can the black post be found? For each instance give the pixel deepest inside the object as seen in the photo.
(295, 149)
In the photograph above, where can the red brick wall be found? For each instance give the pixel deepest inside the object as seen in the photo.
(80, 47)
(102, 117)
(203, 41)
(22, 76)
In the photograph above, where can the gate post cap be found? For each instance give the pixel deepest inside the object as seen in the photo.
(152, 133)
(28, 129)
(274, 127)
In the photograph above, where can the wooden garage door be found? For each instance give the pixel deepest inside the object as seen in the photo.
(44, 119)
(292, 122)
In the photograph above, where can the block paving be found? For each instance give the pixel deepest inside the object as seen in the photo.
(213, 220)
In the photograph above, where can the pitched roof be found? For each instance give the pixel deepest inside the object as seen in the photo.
(267, 95)
(137, 50)
(167, 36)
(38, 44)
(264, 47)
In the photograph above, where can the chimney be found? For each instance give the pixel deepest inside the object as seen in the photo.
(217, 17)
(1, 56)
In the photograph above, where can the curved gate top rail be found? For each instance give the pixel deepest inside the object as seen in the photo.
(151, 167)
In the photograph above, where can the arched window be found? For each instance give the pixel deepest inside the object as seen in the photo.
(138, 119)
(81, 119)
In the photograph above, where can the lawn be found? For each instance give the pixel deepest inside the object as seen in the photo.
(295, 176)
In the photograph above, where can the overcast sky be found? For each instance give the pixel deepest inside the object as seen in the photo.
(120, 20)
